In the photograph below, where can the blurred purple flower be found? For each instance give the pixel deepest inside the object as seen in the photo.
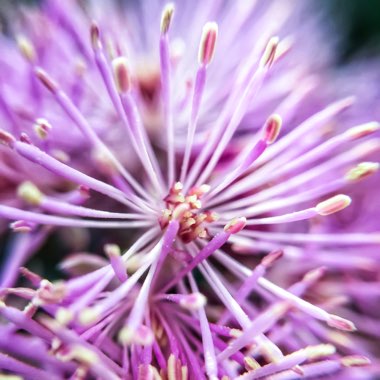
(222, 174)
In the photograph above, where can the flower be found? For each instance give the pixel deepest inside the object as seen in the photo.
(229, 185)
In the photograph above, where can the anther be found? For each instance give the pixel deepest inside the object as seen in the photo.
(314, 275)
(166, 18)
(333, 205)
(95, 36)
(177, 188)
(211, 216)
(30, 193)
(362, 130)
(143, 336)
(340, 323)
(46, 80)
(235, 225)
(269, 52)
(26, 48)
(121, 74)
(25, 138)
(112, 250)
(32, 277)
(362, 170)
(6, 138)
(355, 361)
(320, 350)
(42, 127)
(193, 301)
(199, 191)
(272, 128)
(64, 316)
(270, 258)
(251, 364)
(82, 354)
(201, 232)
(60, 155)
(180, 210)
(208, 42)
(84, 191)
(88, 316)
(22, 226)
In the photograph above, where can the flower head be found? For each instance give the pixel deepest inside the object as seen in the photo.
(222, 174)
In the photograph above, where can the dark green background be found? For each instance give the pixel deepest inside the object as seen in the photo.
(358, 22)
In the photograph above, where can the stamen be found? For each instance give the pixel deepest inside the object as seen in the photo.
(25, 139)
(362, 130)
(271, 258)
(26, 48)
(77, 117)
(306, 307)
(208, 42)
(355, 361)
(64, 316)
(22, 321)
(46, 80)
(270, 350)
(232, 116)
(286, 218)
(121, 74)
(363, 170)
(166, 17)
(340, 323)
(315, 121)
(208, 345)
(272, 128)
(127, 110)
(143, 336)
(165, 66)
(22, 226)
(113, 253)
(30, 193)
(235, 225)
(13, 365)
(34, 278)
(216, 242)
(333, 205)
(251, 281)
(191, 302)
(42, 128)
(36, 155)
(259, 325)
(251, 364)
(6, 138)
(185, 209)
(287, 362)
(95, 36)
(334, 164)
(321, 350)
(200, 81)
(270, 52)
(88, 316)
(34, 217)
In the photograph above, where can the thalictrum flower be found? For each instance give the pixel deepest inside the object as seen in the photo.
(227, 175)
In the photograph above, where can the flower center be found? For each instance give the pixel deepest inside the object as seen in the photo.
(187, 209)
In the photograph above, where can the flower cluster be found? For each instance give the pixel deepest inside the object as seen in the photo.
(216, 149)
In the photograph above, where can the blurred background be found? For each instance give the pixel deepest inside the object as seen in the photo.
(356, 22)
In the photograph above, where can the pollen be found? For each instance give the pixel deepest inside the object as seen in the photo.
(188, 209)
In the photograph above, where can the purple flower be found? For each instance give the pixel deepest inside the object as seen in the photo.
(228, 178)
